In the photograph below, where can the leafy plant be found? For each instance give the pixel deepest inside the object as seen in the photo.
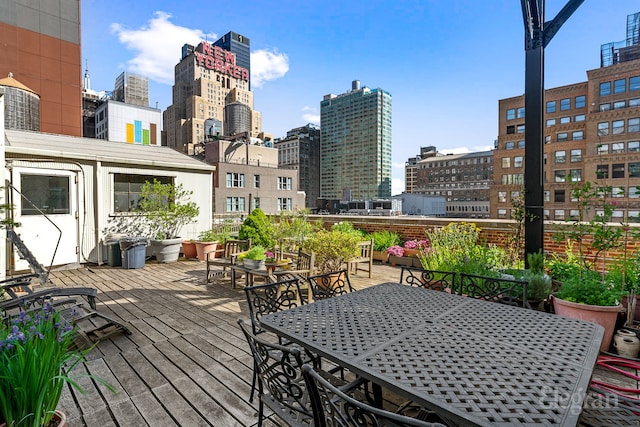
(347, 227)
(207, 236)
(258, 228)
(332, 248)
(290, 229)
(257, 253)
(384, 239)
(166, 208)
(36, 355)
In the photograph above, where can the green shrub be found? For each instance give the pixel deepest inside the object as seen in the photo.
(258, 228)
(384, 239)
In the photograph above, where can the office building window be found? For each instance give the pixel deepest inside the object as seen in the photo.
(576, 155)
(127, 189)
(509, 145)
(284, 204)
(634, 83)
(551, 122)
(579, 118)
(576, 175)
(558, 196)
(633, 216)
(581, 101)
(517, 162)
(619, 104)
(577, 135)
(502, 196)
(506, 162)
(603, 148)
(605, 88)
(617, 147)
(634, 192)
(634, 170)
(620, 86)
(602, 171)
(559, 214)
(605, 107)
(634, 125)
(617, 191)
(565, 104)
(235, 180)
(561, 156)
(617, 127)
(284, 183)
(633, 146)
(603, 128)
(547, 139)
(551, 106)
(256, 181)
(634, 102)
(547, 195)
(617, 170)
(235, 204)
(565, 120)
(520, 129)
(563, 136)
(574, 213)
(521, 144)
(511, 114)
(560, 176)
(520, 113)
(511, 130)
(502, 213)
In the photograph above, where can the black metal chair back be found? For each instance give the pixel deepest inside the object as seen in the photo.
(271, 298)
(281, 386)
(332, 407)
(494, 289)
(329, 285)
(429, 279)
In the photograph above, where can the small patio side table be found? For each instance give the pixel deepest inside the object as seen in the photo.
(473, 362)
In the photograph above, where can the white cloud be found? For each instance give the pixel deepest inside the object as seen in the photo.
(397, 186)
(267, 65)
(311, 115)
(157, 46)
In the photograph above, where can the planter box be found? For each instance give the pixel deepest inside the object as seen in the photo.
(404, 260)
(381, 256)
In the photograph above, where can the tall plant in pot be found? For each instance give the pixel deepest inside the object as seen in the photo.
(586, 291)
(166, 208)
(332, 248)
(207, 242)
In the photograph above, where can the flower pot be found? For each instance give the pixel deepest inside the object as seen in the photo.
(189, 249)
(167, 250)
(602, 315)
(626, 343)
(410, 252)
(202, 248)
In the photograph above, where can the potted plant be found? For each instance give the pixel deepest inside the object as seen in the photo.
(290, 230)
(254, 258)
(207, 242)
(37, 354)
(413, 247)
(332, 248)
(258, 228)
(166, 208)
(189, 249)
(383, 240)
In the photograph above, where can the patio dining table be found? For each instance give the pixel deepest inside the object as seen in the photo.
(472, 362)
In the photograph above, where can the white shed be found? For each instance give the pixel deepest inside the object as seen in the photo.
(80, 183)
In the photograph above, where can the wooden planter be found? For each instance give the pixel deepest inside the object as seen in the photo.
(381, 256)
(404, 260)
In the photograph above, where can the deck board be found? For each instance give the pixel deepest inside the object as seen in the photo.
(186, 362)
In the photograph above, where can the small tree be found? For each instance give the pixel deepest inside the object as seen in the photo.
(258, 228)
(166, 208)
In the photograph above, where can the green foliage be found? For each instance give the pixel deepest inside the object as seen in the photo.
(332, 248)
(588, 287)
(207, 236)
(536, 262)
(258, 228)
(291, 229)
(384, 239)
(455, 248)
(347, 227)
(166, 209)
(256, 252)
(36, 353)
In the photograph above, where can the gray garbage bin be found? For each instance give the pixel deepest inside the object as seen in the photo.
(133, 251)
(114, 255)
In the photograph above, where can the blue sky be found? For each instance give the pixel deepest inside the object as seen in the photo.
(446, 63)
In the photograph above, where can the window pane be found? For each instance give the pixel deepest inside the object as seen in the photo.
(634, 170)
(517, 162)
(551, 107)
(579, 118)
(565, 104)
(620, 86)
(605, 107)
(617, 170)
(603, 128)
(560, 175)
(577, 135)
(551, 122)
(520, 144)
(617, 127)
(563, 136)
(617, 147)
(565, 120)
(576, 175)
(511, 114)
(603, 148)
(520, 113)
(605, 88)
(558, 196)
(602, 171)
(634, 125)
(576, 155)
(634, 83)
(581, 101)
(506, 162)
(633, 146)
(561, 156)
(619, 104)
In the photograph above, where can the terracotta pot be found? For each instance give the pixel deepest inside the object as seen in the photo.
(602, 315)
(189, 249)
(203, 247)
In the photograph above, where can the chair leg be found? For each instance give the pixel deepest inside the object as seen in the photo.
(260, 413)
(253, 382)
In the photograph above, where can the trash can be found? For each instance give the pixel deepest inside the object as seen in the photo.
(114, 255)
(133, 251)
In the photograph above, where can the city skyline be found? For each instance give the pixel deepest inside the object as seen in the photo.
(426, 54)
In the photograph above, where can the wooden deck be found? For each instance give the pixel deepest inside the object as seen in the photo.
(185, 363)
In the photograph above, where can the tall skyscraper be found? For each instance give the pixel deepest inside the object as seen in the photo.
(210, 86)
(41, 47)
(355, 144)
(131, 89)
(238, 45)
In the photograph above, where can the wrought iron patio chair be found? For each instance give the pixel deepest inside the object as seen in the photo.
(494, 289)
(329, 285)
(429, 279)
(270, 298)
(334, 407)
(280, 384)
(225, 257)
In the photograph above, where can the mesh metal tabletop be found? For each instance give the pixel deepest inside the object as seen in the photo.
(474, 362)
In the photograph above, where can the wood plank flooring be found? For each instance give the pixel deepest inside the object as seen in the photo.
(185, 363)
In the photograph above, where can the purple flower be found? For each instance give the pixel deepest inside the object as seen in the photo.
(395, 250)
